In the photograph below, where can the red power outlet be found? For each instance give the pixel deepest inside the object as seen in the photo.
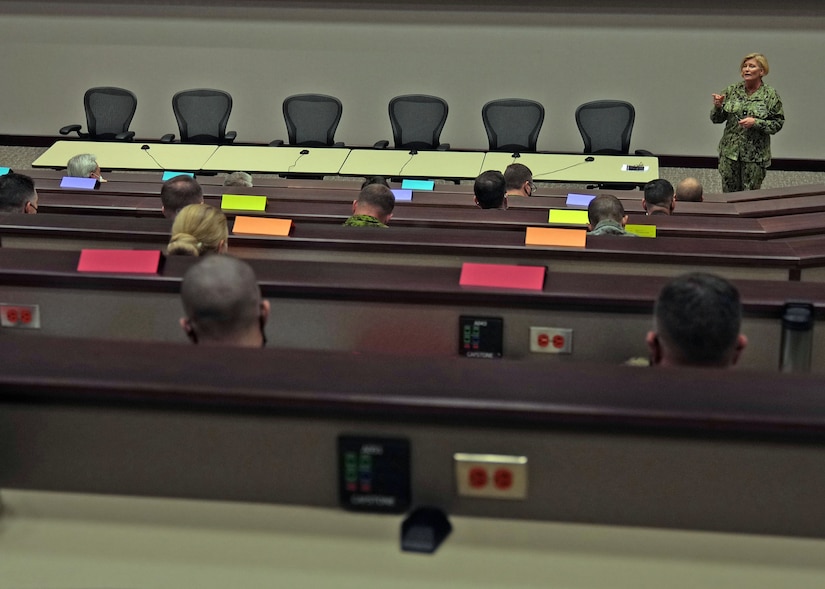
(491, 475)
(25, 316)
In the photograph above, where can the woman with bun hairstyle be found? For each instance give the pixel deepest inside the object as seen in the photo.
(198, 230)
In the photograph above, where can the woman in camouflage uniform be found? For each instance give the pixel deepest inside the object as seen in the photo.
(752, 112)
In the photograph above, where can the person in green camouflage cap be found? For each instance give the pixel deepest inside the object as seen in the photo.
(752, 112)
(372, 208)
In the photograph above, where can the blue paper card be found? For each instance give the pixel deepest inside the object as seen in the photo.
(418, 184)
(579, 200)
(169, 175)
(4, 171)
(80, 183)
(402, 194)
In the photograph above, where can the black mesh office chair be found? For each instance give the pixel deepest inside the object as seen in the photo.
(512, 124)
(109, 113)
(606, 126)
(311, 120)
(417, 121)
(202, 115)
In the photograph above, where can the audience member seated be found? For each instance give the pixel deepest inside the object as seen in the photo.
(689, 190)
(697, 319)
(17, 194)
(84, 165)
(606, 216)
(179, 192)
(222, 303)
(375, 180)
(658, 197)
(489, 190)
(518, 180)
(238, 179)
(373, 207)
(198, 230)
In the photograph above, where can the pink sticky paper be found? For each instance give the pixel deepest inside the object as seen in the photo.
(119, 261)
(503, 276)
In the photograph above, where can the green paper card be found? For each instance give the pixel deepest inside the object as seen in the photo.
(641, 230)
(568, 217)
(240, 202)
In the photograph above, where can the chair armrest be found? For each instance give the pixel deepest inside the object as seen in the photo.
(383, 144)
(276, 143)
(126, 136)
(644, 152)
(338, 144)
(168, 138)
(230, 136)
(443, 147)
(69, 128)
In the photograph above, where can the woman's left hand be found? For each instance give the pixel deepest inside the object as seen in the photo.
(747, 122)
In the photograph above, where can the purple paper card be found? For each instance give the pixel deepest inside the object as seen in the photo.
(402, 194)
(81, 183)
(579, 200)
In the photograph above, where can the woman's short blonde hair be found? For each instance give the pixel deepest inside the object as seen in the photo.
(198, 229)
(758, 58)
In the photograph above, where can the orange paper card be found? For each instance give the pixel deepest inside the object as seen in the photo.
(557, 237)
(262, 226)
(119, 261)
(503, 276)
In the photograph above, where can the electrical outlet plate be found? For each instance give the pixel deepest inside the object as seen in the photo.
(551, 340)
(21, 316)
(494, 476)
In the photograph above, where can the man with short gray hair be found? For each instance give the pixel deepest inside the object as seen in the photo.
(84, 165)
(238, 179)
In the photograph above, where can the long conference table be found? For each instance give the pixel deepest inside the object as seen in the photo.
(546, 167)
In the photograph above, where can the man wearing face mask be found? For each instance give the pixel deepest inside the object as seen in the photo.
(518, 180)
(222, 304)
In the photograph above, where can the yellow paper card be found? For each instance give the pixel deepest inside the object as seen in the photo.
(641, 230)
(262, 226)
(568, 217)
(241, 202)
(556, 237)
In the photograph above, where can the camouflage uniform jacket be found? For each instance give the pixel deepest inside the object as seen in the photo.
(754, 144)
(609, 227)
(363, 221)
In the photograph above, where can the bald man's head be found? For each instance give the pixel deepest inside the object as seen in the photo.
(689, 190)
(222, 303)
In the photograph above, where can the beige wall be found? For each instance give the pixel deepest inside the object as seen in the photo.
(667, 64)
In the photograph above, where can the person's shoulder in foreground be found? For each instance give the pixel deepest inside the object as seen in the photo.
(606, 216)
(697, 319)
